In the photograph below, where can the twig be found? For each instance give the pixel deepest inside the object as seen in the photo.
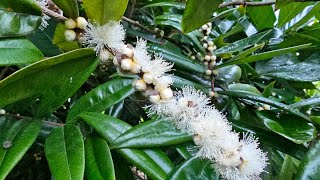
(133, 3)
(244, 3)
(157, 33)
(53, 123)
(51, 13)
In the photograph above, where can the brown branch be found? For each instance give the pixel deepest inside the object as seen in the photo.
(244, 3)
(157, 33)
(51, 13)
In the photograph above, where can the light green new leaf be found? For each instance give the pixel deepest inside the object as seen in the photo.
(64, 150)
(60, 40)
(69, 7)
(102, 97)
(99, 164)
(18, 51)
(197, 13)
(260, 21)
(103, 11)
(16, 137)
(289, 11)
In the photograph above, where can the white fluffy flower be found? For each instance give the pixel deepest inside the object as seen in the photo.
(109, 35)
(140, 52)
(233, 158)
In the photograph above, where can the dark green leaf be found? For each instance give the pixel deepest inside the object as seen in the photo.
(16, 137)
(268, 90)
(289, 11)
(99, 164)
(102, 97)
(177, 5)
(156, 166)
(229, 74)
(64, 150)
(37, 79)
(261, 22)
(153, 133)
(18, 51)
(60, 40)
(309, 167)
(195, 168)
(291, 127)
(69, 7)
(244, 88)
(288, 169)
(197, 13)
(102, 11)
(306, 102)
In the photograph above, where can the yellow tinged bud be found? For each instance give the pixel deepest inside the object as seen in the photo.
(82, 22)
(70, 24)
(70, 35)
(126, 64)
(166, 94)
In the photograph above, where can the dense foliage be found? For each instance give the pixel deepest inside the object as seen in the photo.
(73, 106)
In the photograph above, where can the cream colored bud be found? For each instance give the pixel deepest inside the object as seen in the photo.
(205, 38)
(266, 107)
(208, 72)
(104, 55)
(215, 72)
(139, 85)
(148, 78)
(2, 112)
(205, 63)
(209, 24)
(212, 63)
(260, 109)
(197, 139)
(204, 27)
(183, 102)
(205, 45)
(155, 99)
(211, 94)
(70, 35)
(210, 43)
(126, 64)
(208, 32)
(193, 57)
(213, 58)
(135, 68)
(82, 23)
(127, 51)
(70, 24)
(210, 48)
(207, 58)
(166, 94)
(115, 61)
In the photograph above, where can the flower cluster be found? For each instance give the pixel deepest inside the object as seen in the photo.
(233, 158)
(151, 71)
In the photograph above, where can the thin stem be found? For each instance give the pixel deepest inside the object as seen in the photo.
(244, 3)
(51, 13)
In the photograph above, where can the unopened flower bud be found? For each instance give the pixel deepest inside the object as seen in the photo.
(2, 112)
(126, 64)
(154, 98)
(139, 85)
(135, 68)
(82, 23)
(208, 72)
(207, 58)
(70, 24)
(166, 94)
(183, 102)
(148, 78)
(211, 94)
(204, 27)
(70, 35)
(266, 107)
(205, 45)
(115, 61)
(193, 57)
(104, 55)
(127, 51)
(211, 48)
(215, 72)
(213, 58)
(260, 109)
(210, 43)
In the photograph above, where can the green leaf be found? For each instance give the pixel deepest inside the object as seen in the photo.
(195, 168)
(288, 169)
(102, 97)
(229, 74)
(103, 11)
(265, 55)
(177, 5)
(306, 102)
(64, 150)
(153, 133)
(154, 162)
(19, 17)
(289, 11)
(38, 78)
(60, 40)
(173, 54)
(309, 167)
(197, 13)
(69, 7)
(16, 137)
(99, 164)
(244, 88)
(261, 22)
(18, 51)
(268, 90)
(179, 82)
(291, 127)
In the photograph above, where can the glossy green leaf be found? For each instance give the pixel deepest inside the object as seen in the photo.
(288, 169)
(155, 164)
(268, 90)
(289, 11)
(290, 127)
(265, 55)
(19, 17)
(153, 133)
(69, 7)
(18, 51)
(229, 74)
(245, 43)
(179, 82)
(45, 77)
(102, 97)
(261, 99)
(306, 102)
(303, 17)
(60, 40)
(16, 137)
(197, 13)
(177, 5)
(247, 52)
(173, 54)
(99, 163)
(261, 22)
(244, 88)
(102, 11)
(195, 168)
(309, 167)
(64, 150)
